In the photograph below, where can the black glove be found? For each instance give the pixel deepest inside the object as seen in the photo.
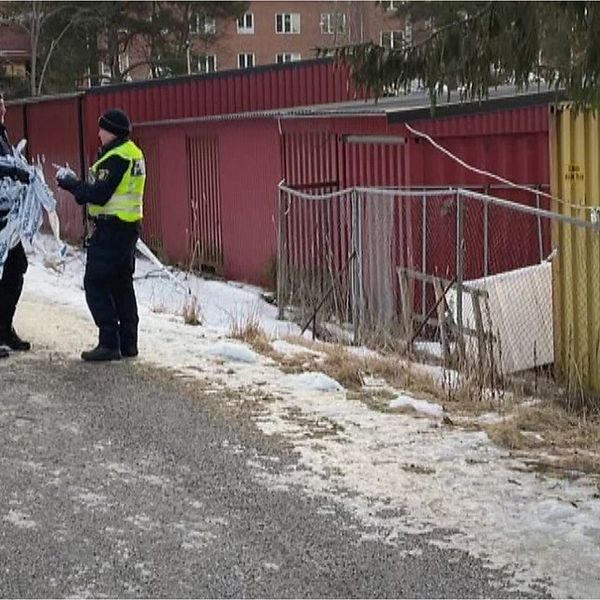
(21, 175)
(68, 182)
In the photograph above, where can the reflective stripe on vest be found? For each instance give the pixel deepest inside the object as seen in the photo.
(126, 203)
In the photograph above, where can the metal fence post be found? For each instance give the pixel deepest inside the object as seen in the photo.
(460, 264)
(281, 256)
(539, 225)
(486, 232)
(357, 270)
(424, 255)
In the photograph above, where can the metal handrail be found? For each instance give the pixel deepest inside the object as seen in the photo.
(532, 210)
(419, 193)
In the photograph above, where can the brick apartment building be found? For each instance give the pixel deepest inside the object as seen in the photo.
(15, 51)
(281, 31)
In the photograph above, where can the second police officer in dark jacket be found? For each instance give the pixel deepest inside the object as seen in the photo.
(114, 197)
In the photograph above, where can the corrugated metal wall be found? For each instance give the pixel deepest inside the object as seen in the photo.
(217, 194)
(510, 143)
(15, 121)
(152, 232)
(575, 160)
(374, 164)
(318, 158)
(238, 230)
(275, 86)
(310, 159)
(317, 232)
(250, 171)
(55, 135)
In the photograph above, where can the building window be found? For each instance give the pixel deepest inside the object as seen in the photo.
(392, 5)
(245, 24)
(105, 73)
(245, 60)
(287, 23)
(392, 39)
(104, 69)
(286, 57)
(203, 25)
(408, 33)
(207, 64)
(123, 62)
(333, 23)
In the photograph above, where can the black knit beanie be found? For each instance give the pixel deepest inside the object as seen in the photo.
(115, 121)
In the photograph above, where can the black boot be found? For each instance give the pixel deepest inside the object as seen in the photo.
(4, 353)
(101, 353)
(13, 341)
(129, 352)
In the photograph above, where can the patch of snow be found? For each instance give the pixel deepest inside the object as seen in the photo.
(312, 381)
(19, 519)
(288, 349)
(422, 406)
(490, 418)
(232, 351)
(363, 352)
(431, 348)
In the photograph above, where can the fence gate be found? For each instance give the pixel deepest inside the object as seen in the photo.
(206, 240)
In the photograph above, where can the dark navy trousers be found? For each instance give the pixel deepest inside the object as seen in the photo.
(11, 286)
(108, 282)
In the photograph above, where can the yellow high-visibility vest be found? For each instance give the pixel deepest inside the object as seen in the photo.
(126, 203)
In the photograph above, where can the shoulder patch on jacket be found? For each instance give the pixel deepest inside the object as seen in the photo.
(138, 168)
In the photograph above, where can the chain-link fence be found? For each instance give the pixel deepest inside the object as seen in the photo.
(472, 277)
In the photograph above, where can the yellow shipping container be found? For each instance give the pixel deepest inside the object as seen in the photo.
(575, 178)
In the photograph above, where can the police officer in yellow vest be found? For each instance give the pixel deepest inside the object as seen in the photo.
(114, 197)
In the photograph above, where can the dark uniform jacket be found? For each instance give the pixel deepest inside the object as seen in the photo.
(105, 182)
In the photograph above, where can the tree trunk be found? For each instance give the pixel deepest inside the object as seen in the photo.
(34, 41)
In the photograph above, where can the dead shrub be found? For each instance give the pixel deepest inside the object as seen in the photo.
(246, 327)
(343, 367)
(191, 312)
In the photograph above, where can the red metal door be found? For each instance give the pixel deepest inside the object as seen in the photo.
(206, 240)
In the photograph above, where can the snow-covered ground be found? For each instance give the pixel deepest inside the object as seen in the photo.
(374, 463)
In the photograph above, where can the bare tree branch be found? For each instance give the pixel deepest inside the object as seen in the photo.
(53, 45)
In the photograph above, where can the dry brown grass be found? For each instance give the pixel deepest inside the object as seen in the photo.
(350, 370)
(247, 329)
(343, 367)
(571, 442)
(192, 315)
(398, 374)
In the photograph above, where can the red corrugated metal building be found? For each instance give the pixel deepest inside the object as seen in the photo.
(507, 136)
(229, 92)
(190, 188)
(215, 185)
(213, 168)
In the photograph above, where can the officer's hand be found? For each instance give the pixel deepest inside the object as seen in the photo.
(67, 182)
(21, 175)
